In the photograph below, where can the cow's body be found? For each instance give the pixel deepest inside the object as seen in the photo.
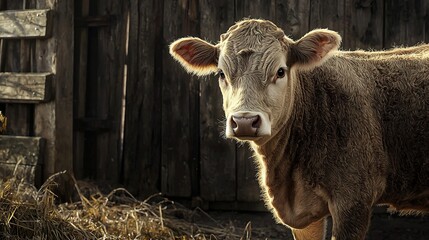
(349, 133)
(359, 125)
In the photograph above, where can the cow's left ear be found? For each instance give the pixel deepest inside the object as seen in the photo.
(196, 55)
(313, 49)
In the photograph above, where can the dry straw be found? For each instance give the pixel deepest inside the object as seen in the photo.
(30, 213)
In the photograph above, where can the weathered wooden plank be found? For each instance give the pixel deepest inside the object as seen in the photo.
(109, 67)
(218, 162)
(54, 119)
(81, 68)
(405, 22)
(25, 150)
(25, 87)
(25, 23)
(180, 123)
(327, 15)
(363, 26)
(28, 173)
(142, 136)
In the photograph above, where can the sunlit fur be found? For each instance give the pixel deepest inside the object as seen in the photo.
(196, 56)
(350, 129)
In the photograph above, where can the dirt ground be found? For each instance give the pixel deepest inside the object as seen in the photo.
(384, 226)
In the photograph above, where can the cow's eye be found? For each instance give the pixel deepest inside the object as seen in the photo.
(281, 73)
(221, 75)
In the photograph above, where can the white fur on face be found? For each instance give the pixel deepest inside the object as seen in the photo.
(253, 87)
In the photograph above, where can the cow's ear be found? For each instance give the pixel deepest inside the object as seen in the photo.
(313, 49)
(196, 55)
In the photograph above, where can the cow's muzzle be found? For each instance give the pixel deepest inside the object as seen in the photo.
(248, 125)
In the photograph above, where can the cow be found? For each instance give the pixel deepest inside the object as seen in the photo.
(334, 132)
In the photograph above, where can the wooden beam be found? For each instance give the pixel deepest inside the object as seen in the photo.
(29, 173)
(53, 120)
(25, 23)
(25, 150)
(25, 87)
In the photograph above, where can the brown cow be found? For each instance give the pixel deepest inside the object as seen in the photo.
(334, 133)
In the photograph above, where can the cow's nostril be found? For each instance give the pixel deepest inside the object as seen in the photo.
(233, 123)
(257, 122)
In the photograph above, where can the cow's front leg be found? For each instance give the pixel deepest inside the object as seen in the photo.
(314, 231)
(350, 221)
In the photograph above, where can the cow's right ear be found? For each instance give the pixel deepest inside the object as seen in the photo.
(313, 48)
(196, 55)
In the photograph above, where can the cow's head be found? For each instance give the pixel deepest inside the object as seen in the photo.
(256, 64)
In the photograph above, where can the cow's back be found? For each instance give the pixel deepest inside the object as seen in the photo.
(401, 101)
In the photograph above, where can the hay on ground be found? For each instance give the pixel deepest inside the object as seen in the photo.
(30, 213)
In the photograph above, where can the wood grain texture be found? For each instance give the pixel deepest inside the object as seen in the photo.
(104, 92)
(405, 22)
(54, 120)
(180, 99)
(25, 87)
(25, 23)
(142, 136)
(363, 26)
(81, 71)
(328, 15)
(21, 157)
(23, 150)
(28, 173)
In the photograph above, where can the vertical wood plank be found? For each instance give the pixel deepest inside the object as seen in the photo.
(364, 24)
(180, 123)
(18, 119)
(80, 78)
(91, 96)
(405, 22)
(109, 81)
(328, 15)
(142, 139)
(54, 120)
(218, 160)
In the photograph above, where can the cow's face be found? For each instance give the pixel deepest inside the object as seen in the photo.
(255, 63)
